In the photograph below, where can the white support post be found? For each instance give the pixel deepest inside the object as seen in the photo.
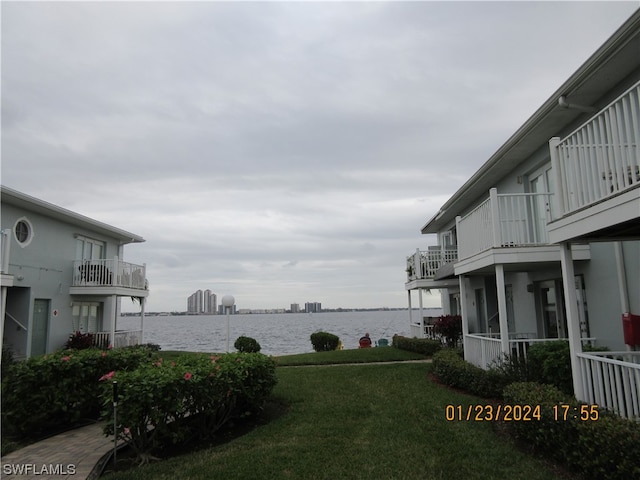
(421, 311)
(463, 312)
(495, 217)
(142, 302)
(558, 196)
(114, 306)
(502, 309)
(409, 299)
(573, 319)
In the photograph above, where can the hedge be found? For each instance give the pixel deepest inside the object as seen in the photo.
(56, 391)
(602, 449)
(324, 341)
(452, 370)
(424, 346)
(170, 402)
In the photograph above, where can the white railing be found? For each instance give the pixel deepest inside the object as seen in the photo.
(612, 380)
(122, 339)
(484, 350)
(601, 158)
(425, 263)
(109, 272)
(5, 245)
(504, 220)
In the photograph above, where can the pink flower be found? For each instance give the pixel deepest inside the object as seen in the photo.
(104, 354)
(66, 358)
(187, 376)
(107, 376)
(110, 347)
(126, 431)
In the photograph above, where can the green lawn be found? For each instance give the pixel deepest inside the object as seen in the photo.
(383, 421)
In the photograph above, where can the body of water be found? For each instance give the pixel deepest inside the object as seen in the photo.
(277, 334)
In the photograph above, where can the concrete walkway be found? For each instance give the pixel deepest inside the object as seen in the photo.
(77, 454)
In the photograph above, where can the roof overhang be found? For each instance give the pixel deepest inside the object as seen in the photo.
(22, 200)
(615, 65)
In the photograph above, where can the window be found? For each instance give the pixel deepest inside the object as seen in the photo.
(23, 231)
(86, 317)
(89, 249)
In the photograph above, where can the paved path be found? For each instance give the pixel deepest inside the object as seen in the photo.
(77, 454)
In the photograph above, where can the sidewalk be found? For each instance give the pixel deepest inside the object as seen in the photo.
(77, 454)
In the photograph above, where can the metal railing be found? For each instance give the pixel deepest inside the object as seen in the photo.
(504, 220)
(425, 263)
(109, 272)
(612, 380)
(601, 158)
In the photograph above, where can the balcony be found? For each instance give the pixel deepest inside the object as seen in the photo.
(508, 228)
(423, 266)
(597, 172)
(109, 277)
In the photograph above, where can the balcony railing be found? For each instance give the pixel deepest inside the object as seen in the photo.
(109, 273)
(612, 380)
(504, 220)
(5, 244)
(425, 263)
(601, 158)
(484, 350)
(122, 339)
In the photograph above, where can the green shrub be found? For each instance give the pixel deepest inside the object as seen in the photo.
(454, 371)
(425, 346)
(247, 345)
(171, 402)
(599, 449)
(58, 390)
(324, 341)
(550, 362)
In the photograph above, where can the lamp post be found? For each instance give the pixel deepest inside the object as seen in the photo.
(227, 302)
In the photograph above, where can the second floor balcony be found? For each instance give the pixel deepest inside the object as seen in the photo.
(109, 277)
(423, 265)
(597, 172)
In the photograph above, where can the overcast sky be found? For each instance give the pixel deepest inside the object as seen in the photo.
(278, 152)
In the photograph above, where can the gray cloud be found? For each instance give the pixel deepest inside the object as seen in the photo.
(281, 152)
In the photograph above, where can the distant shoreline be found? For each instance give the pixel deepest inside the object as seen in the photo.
(275, 311)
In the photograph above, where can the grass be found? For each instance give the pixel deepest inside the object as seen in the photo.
(381, 421)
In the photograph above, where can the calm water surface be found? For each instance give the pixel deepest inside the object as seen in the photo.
(278, 334)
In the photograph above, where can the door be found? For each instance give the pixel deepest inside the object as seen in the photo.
(40, 326)
(481, 310)
(86, 317)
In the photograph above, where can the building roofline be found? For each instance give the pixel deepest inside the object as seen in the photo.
(14, 197)
(621, 37)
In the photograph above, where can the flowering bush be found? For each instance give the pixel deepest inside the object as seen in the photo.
(58, 390)
(170, 402)
(450, 328)
(79, 341)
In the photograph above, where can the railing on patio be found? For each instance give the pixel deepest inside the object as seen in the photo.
(601, 158)
(504, 220)
(109, 272)
(425, 263)
(122, 339)
(612, 380)
(484, 350)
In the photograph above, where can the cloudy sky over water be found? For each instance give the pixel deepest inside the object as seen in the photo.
(278, 152)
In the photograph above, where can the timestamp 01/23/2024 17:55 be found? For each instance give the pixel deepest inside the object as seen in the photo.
(520, 413)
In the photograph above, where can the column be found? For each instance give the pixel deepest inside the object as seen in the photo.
(502, 309)
(573, 320)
